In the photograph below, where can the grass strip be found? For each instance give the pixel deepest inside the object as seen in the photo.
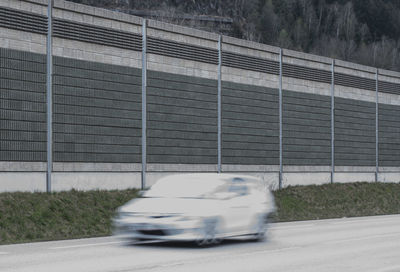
(28, 217)
(336, 200)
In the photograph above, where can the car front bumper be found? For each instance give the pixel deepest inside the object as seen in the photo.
(125, 229)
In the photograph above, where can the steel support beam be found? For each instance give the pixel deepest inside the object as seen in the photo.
(219, 105)
(144, 102)
(332, 121)
(377, 126)
(280, 120)
(49, 94)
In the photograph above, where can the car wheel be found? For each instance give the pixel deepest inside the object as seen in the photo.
(209, 232)
(260, 228)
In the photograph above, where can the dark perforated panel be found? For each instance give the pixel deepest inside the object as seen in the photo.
(306, 129)
(182, 50)
(354, 132)
(250, 125)
(389, 135)
(182, 119)
(300, 72)
(95, 34)
(97, 112)
(355, 82)
(250, 63)
(389, 87)
(22, 106)
(24, 21)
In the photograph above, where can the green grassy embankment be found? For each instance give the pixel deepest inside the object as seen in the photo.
(26, 217)
(337, 200)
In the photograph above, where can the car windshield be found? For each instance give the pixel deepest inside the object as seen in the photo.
(185, 188)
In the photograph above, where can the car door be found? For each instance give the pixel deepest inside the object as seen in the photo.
(238, 208)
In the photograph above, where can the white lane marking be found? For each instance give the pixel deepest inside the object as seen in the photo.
(374, 220)
(146, 242)
(3, 253)
(292, 227)
(171, 264)
(268, 251)
(362, 238)
(339, 221)
(86, 245)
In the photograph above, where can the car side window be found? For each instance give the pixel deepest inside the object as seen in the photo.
(239, 187)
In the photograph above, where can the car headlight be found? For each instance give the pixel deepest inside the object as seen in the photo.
(124, 215)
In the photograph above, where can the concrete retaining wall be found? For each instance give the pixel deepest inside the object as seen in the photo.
(98, 107)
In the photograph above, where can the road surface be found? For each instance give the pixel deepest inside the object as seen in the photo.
(347, 244)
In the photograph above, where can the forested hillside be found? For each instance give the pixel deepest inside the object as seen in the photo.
(362, 31)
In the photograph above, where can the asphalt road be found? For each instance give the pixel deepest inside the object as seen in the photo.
(348, 244)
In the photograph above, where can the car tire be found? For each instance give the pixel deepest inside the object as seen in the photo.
(260, 228)
(209, 232)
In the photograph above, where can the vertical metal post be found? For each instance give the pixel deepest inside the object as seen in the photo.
(280, 120)
(49, 91)
(144, 102)
(219, 104)
(377, 126)
(332, 121)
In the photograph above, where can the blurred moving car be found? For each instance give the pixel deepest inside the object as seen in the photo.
(204, 208)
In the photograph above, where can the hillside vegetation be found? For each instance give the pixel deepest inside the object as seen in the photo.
(26, 217)
(362, 31)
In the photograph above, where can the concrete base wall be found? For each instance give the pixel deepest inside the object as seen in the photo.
(22, 181)
(95, 181)
(307, 178)
(65, 181)
(353, 177)
(389, 177)
(84, 181)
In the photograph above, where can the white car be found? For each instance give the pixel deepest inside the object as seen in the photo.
(204, 208)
